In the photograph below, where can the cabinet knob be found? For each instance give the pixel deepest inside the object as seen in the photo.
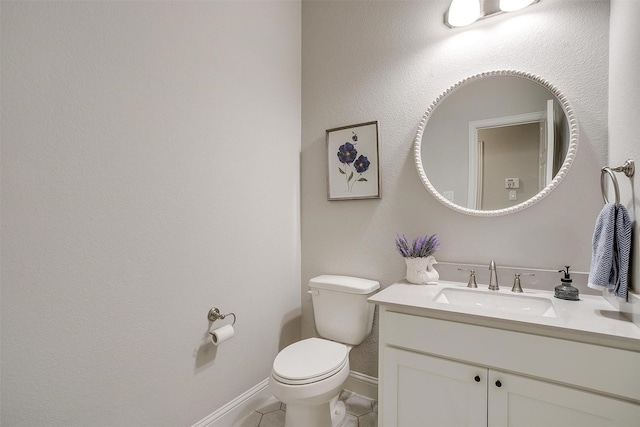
(477, 378)
(498, 383)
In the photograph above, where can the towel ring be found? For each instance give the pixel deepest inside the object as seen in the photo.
(628, 168)
(607, 171)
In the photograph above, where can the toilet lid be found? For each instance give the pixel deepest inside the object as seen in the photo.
(310, 360)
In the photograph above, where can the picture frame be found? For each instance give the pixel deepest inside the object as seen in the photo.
(353, 167)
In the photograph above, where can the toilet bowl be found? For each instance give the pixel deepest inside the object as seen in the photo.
(309, 375)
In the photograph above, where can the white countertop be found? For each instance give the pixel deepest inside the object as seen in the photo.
(591, 319)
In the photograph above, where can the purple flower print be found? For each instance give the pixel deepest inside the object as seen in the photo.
(347, 153)
(362, 164)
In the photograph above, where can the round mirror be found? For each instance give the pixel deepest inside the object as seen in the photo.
(495, 143)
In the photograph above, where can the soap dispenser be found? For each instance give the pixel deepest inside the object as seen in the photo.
(566, 290)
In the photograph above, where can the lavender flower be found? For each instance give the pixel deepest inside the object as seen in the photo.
(421, 247)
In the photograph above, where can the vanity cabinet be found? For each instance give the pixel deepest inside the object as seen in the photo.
(444, 373)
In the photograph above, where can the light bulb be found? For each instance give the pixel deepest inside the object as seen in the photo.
(513, 5)
(463, 12)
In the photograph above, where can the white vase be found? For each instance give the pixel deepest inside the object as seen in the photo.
(420, 271)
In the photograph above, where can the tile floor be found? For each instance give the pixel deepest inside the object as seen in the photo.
(361, 412)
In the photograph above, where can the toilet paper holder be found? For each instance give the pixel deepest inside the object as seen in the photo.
(214, 314)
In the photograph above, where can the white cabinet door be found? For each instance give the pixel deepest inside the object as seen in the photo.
(516, 401)
(421, 390)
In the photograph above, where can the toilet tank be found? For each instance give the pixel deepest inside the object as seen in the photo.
(340, 307)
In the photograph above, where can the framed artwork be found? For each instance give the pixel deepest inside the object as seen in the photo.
(352, 159)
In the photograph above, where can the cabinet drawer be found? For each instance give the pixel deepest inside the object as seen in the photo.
(606, 370)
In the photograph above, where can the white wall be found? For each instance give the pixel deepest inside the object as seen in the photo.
(624, 106)
(388, 61)
(150, 170)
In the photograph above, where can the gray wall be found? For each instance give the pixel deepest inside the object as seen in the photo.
(150, 170)
(388, 61)
(624, 127)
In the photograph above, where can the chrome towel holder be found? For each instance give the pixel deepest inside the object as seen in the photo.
(628, 168)
(214, 314)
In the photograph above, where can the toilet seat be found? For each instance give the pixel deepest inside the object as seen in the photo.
(309, 361)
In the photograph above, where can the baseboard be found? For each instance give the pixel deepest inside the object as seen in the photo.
(259, 396)
(362, 384)
(243, 405)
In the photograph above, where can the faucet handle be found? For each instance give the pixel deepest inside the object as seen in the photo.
(472, 278)
(493, 276)
(516, 282)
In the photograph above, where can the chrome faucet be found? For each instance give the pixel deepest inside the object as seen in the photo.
(493, 278)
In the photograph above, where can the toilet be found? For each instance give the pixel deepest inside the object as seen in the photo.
(308, 375)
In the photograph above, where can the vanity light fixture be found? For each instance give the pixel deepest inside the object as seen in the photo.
(466, 12)
(462, 12)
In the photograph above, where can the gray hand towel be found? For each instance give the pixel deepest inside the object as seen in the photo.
(611, 250)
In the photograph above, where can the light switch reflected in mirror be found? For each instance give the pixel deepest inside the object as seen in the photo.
(496, 143)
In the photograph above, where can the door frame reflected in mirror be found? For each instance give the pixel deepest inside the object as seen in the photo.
(476, 193)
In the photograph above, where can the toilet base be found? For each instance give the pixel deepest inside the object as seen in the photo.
(338, 414)
(330, 414)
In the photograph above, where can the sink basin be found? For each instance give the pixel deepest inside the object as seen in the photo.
(494, 301)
